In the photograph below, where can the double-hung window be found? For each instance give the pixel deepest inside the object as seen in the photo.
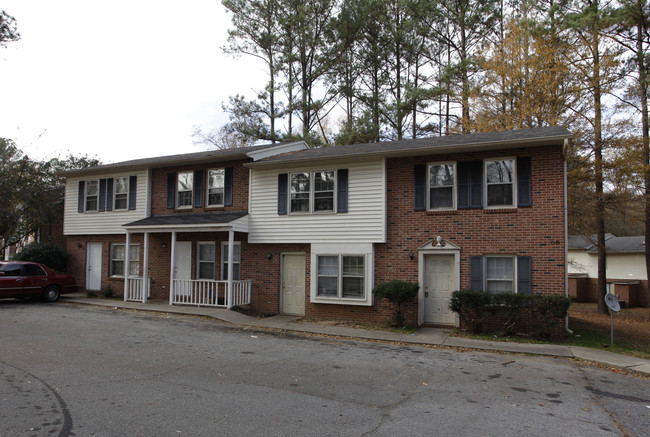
(235, 263)
(92, 195)
(117, 259)
(121, 193)
(312, 192)
(216, 179)
(341, 276)
(500, 182)
(499, 274)
(184, 183)
(206, 261)
(442, 186)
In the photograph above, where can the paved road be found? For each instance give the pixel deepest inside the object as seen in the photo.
(67, 370)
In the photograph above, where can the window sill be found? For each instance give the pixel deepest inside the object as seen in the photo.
(442, 211)
(337, 301)
(501, 210)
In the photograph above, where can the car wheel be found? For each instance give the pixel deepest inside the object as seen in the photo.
(51, 293)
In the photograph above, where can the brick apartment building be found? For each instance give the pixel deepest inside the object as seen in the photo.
(312, 231)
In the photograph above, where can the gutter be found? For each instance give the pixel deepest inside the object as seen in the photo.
(566, 235)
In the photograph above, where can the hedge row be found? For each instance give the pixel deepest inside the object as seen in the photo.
(510, 313)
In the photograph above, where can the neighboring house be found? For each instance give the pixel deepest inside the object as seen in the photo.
(312, 231)
(626, 269)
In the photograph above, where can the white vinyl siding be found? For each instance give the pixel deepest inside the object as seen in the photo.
(363, 223)
(109, 222)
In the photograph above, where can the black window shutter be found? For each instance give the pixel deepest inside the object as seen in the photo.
(476, 192)
(227, 187)
(198, 188)
(171, 190)
(420, 187)
(82, 197)
(283, 185)
(524, 197)
(524, 275)
(109, 194)
(464, 186)
(342, 190)
(102, 195)
(476, 273)
(133, 189)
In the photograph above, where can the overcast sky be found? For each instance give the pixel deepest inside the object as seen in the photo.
(119, 79)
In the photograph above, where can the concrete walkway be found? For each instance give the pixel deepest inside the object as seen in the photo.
(423, 336)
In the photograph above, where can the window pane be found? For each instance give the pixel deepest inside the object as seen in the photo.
(499, 195)
(300, 202)
(500, 171)
(206, 252)
(121, 185)
(441, 197)
(441, 175)
(499, 268)
(328, 265)
(91, 203)
(206, 270)
(134, 268)
(216, 178)
(299, 183)
(120, 201)
(324, 201)
(353, 287)
(327, 286)
(118, 251)
(11, 269)
(499, 286)
(134, 252)
(324, 181)
(185, 181)
(117, 268)
(185, 198)
(353, 276)
(92, 188)
(33, 270)
(353, 266)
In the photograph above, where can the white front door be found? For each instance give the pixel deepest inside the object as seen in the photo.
(94, 266)
(439, 284)
(293, 285)
(183, 268)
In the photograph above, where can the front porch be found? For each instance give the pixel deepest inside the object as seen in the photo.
(186, 287)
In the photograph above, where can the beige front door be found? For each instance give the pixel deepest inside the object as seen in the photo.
(292, 298)
(94, 266)
(439, 284)
(183, 268)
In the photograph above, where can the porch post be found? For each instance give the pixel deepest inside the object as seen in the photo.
(231, 251)
(127, 264)
(172, 269)
(145, 269)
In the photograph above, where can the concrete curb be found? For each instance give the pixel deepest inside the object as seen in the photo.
(423, 336)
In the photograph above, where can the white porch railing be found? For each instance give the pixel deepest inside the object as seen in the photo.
(204, 292)
(136, 289)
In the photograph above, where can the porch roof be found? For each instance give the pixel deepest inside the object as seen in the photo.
(192, 222)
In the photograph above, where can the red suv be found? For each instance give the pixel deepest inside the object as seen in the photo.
(27, 279)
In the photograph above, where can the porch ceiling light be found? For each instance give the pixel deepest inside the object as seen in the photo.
(269, 256)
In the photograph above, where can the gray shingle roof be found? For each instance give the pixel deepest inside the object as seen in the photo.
(199, 218)
(523, 137)
(164, 161)
(622, 245)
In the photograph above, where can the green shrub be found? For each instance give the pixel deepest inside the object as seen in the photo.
(50, 254)
(108, 292)
(516, 313)
(398, 293)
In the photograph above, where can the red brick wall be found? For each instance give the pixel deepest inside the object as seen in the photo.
(240, 187)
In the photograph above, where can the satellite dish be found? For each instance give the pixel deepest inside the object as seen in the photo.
(612, 302)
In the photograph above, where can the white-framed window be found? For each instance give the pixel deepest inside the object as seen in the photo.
(206, 259)
(117, 259)
(341, 276)
(184, 185)
(500, 274)
(299, 186)
(500, 186)
(121, 193)
(216, 178)
(312, 191)
(235, 264)
(92, 196)
(442, 185)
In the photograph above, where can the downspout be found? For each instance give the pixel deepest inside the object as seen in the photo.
(127, 266)
(566, 235)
